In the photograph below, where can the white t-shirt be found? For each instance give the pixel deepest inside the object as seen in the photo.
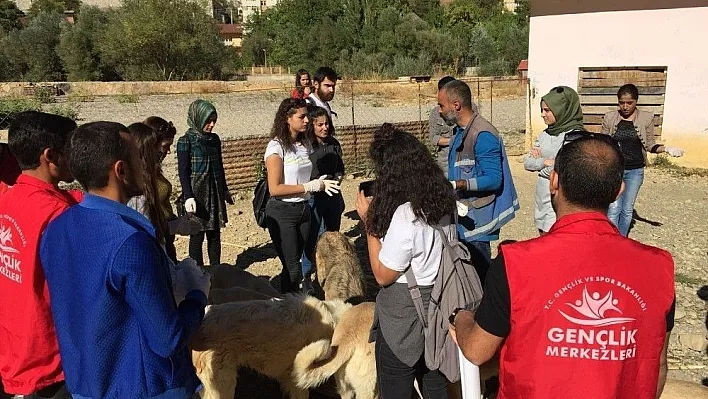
(413, 242)
(296, 166)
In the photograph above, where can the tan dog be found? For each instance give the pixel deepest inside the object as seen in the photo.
(676, 389)
(263, 335)
(338, 269)
(349, 357)
(227, 276)
(234, 294)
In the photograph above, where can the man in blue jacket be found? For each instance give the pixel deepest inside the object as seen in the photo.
(121, 334)
(478, 170)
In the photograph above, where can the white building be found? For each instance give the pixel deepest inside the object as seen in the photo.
(250, 7)
(597, 46)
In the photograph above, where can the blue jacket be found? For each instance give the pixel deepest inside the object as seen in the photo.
(477, 155)
(120, 332)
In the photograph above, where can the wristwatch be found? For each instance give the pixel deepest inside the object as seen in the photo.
(454, 314)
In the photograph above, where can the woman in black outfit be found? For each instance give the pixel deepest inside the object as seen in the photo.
(326, 158)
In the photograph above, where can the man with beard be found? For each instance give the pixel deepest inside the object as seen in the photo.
(439, 131)
(580, 312)
(478, 170)
(325, 82)
(121, 334)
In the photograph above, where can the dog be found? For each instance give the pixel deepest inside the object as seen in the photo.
(264, 335)
(226, 276)
(338, 270)
(218, 296)
(349, 357)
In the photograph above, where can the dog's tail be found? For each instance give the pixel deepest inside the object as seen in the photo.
(318, 361)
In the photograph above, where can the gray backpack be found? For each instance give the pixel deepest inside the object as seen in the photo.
(457, 285)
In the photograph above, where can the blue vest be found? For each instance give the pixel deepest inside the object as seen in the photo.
(488, 210)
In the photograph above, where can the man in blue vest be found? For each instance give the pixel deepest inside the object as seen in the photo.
(478, 170)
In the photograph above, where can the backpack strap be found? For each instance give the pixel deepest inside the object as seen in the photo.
(415, 294)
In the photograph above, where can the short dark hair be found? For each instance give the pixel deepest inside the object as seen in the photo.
(590, 173)
(628, 89)
(459, 90)
(443, 81)
(299, 74)
(325, 72)
(32, 132)
(94, 148)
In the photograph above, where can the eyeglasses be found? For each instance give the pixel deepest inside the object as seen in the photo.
(578, 135)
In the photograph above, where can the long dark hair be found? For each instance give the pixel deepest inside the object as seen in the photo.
(406, 172)
(314, 112)
(281, 131)
(164, 130)
(146, 140)
(298, 75)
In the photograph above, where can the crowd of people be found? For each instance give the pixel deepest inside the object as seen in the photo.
(116, 327)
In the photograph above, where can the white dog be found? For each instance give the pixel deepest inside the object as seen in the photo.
(264, 335)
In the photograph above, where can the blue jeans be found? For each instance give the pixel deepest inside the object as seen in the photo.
(620, 212)
(326, 216)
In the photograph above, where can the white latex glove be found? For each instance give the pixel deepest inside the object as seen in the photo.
(190, 277)
(331, 187)
(673, 151)
(190, 205)
(454, 184)
(462, 209)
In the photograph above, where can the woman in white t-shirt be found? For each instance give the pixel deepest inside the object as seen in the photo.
(411, 195)
(288, 168)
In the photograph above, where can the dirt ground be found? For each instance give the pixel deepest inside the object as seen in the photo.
(673, 214)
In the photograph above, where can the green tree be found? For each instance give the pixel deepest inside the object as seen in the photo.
(79, 46)
(9, 17)
(163, 40)
(32, 51)
(56, 6)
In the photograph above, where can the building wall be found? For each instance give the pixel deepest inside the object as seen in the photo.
(560, 44)
(249, 7)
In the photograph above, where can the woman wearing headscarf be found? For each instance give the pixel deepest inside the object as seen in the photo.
(201, 174)
(561, 111)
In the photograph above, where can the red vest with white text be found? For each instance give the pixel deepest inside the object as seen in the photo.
(588, 313)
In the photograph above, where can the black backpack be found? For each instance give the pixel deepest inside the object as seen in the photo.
(261, 195)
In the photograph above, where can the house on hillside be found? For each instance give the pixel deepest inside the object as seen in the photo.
(250, 7)
(231, 34)
(597, 46)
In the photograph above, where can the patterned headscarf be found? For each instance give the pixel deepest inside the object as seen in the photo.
(198, 114)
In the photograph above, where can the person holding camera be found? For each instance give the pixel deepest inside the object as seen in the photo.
(289, 170)
(400, 234)
(326, 158)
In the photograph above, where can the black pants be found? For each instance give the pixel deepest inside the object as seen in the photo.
(54, 391)
(395, 378)
(170, 247)
(213, 247)
(481, 252)
(289, 228)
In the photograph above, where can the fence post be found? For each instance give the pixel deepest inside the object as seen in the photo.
(491, 101)
(478, 89)
(420, 114)
(356, 145)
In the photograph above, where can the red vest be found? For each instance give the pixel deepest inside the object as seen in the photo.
(588, 313)
(29, 352)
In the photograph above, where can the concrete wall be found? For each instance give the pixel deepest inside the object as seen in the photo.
(560, 44)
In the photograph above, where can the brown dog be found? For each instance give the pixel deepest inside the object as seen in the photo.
(338, 269)
(263, 335)
(349, 356)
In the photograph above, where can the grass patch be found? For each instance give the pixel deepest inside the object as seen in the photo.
(689, 280)
(65, 110)
(128, 98)
(12, 105)
(45, 94)
(664, 163)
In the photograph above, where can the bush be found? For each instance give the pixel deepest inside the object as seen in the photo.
(11, 106)
(128, 99)
(65, 110)
(44, 94)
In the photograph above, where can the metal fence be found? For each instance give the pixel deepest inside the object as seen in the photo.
(243, 156)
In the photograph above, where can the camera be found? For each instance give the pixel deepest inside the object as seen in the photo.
(368, 187)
